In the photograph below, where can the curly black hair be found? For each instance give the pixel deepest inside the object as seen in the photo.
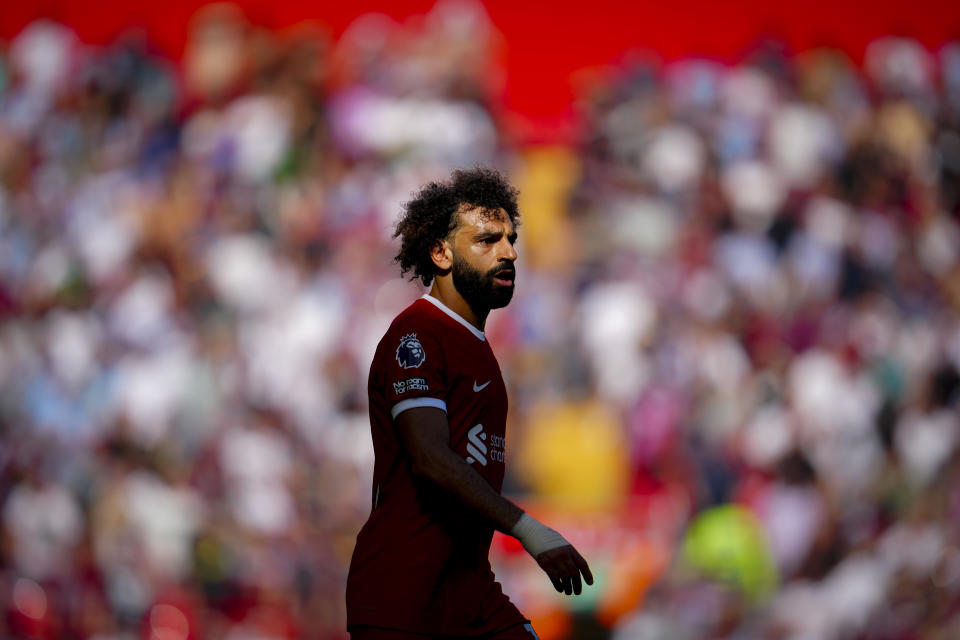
(431, 216)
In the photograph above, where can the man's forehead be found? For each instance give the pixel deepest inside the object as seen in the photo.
(479, 217)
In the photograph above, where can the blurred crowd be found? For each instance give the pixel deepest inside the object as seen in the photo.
(736, 335)
(764, 318)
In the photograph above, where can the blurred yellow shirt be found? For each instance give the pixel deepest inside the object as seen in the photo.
(573, 453)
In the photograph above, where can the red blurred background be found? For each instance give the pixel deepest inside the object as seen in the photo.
(548, 43)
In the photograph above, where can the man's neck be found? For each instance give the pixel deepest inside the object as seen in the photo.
(444, 291)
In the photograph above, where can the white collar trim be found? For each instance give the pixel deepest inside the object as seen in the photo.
(456, 316)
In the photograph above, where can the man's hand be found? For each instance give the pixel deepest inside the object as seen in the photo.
(553, 553)
(564, 566)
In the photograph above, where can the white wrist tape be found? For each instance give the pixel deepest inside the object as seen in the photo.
(535, 537)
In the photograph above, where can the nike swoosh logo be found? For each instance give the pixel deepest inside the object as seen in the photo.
(482, 386)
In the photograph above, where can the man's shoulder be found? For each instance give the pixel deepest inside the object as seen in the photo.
(414, 337)
(418, 315)
(420, 320)
(419, 309)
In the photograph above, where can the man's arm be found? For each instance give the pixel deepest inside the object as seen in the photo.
(425, 434)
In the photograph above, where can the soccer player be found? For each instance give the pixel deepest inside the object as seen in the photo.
(438, 409)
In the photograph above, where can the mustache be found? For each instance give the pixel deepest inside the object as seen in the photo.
(501, 269)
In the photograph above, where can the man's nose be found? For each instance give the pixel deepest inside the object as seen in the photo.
(508, 251)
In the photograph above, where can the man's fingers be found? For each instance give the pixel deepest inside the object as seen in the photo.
(557, 584)
(582, 566)
(556, 576)
(572, 573)
(564, 566)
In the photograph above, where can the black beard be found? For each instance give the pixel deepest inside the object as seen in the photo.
(478, 289)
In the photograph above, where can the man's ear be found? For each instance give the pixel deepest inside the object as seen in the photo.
(442, 255)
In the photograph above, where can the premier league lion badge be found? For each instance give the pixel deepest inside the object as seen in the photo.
(410, 353)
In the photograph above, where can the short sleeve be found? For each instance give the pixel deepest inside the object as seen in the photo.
(415, 375)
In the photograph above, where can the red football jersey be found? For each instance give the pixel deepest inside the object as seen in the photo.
(420, 563)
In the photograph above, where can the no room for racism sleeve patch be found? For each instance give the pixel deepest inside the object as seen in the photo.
(410, 384)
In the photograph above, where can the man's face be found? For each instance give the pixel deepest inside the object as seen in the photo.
(483, 258)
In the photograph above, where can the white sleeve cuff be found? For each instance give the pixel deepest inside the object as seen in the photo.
(403, 405)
